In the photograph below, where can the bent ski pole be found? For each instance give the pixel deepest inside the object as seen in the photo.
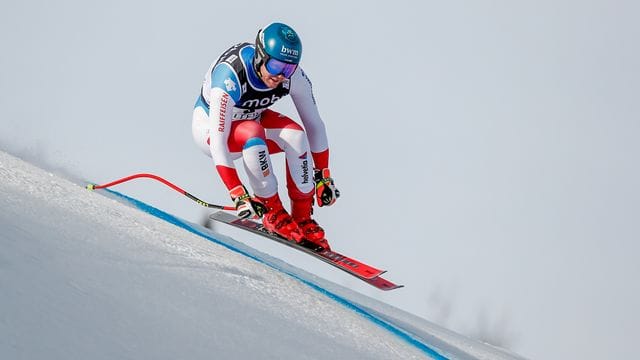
(158, 178)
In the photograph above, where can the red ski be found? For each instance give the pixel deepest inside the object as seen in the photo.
(365, 272)
(381, 283)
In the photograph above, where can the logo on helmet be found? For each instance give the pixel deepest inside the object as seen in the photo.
(289, 52)
(288, 34)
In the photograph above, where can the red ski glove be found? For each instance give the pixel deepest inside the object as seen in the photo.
(326, 192)
(246, 205)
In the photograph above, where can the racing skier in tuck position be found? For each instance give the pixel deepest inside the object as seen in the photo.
(232, 120)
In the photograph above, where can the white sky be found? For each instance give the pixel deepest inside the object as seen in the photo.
(486, 151)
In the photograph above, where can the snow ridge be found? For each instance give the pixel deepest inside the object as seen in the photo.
(404, 335)
(90, 276)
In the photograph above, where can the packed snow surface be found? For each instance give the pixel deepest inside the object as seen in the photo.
(89, 276)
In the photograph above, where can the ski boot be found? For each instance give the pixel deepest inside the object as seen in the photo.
(278, 221)
(301, 211)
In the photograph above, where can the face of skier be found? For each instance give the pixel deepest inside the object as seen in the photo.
(272, 81)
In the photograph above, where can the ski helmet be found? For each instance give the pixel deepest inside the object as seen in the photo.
(277, 41)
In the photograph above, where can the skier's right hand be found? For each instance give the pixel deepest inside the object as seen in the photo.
(246, 205)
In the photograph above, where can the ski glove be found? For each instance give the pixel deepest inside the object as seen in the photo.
(246, 205)
(326, 192)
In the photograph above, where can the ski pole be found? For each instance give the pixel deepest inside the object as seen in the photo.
(158, 178)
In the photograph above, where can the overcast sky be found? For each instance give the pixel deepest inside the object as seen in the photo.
(486, 151)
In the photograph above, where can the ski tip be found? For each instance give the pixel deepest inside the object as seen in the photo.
(91, 186)
(393, 287)
(383, 284)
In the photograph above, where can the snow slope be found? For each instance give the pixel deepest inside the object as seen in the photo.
(84, 275)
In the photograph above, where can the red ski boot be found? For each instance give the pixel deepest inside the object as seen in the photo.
(301, 211)
(277, 220)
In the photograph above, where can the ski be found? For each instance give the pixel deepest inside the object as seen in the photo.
(343, 262)
(382, 284)
(364, 272)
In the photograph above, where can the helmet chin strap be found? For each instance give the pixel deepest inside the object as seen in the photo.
(258, 55)
(256, 68)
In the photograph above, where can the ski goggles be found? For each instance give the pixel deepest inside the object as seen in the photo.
(277, 67)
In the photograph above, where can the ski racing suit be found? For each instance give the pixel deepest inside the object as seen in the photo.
(232, 120)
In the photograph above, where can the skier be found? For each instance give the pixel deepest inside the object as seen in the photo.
(232, 120)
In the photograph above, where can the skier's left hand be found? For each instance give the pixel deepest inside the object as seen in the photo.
(326, 192)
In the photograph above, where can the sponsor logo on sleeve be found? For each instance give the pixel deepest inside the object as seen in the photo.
(223, 112)
(230, 85)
